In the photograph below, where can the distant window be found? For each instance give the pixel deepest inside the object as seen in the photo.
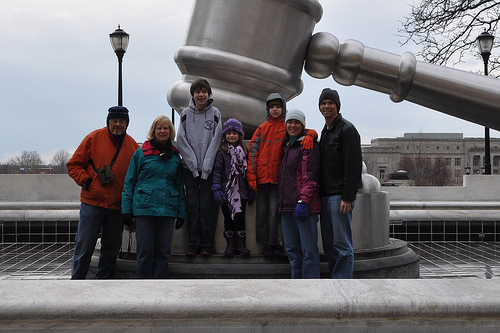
(381, 174)
(428, 148)
(437, 147)
(496, 161)
(458, 147)
(407, 147)
(475, 160)
(447, 147)
(458, 173)
(447, 161)
(458, 161)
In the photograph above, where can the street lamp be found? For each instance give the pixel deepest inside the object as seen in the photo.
(119, 41)
(485, 43)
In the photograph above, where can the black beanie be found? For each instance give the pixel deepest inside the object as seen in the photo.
(328, 93)
(117, 112)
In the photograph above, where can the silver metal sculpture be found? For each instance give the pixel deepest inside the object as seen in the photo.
(249, 48)
(245, 49)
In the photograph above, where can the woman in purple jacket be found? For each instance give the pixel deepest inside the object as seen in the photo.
(298, 199)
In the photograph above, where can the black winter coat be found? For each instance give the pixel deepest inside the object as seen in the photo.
(341, 160)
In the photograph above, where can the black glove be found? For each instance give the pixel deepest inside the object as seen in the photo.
(179, 223)
(251, 196)
(86, 184)
(128, 221)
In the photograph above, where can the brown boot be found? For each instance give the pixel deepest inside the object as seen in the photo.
(241, 248)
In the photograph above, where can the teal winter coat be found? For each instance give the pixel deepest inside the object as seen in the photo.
(154, 186)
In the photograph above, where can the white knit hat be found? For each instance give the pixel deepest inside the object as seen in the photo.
(297, 115)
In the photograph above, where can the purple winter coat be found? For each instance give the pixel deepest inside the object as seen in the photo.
(221, 171)
(298, 178)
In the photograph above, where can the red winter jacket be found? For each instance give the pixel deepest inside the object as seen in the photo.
(100, 146)
(266, 151)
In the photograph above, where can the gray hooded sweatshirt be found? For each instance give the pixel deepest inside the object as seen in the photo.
(199, 137)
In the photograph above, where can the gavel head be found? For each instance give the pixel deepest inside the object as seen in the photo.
(246, 50)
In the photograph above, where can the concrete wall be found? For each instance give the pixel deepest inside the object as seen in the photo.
(475, 188)
(63, 188)
(376, 306)
(38, 188)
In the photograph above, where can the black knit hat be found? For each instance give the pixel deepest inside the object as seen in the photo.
(328, 93)
(117, 112)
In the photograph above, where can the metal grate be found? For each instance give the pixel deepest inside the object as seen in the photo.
(35, 261)
(438, 260)
(448, 260)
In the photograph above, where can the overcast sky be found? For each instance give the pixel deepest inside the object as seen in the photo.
(58, 72)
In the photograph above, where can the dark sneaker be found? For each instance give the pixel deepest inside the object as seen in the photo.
(278, 250)
(206, 252)
(268, 251)
(193, 251)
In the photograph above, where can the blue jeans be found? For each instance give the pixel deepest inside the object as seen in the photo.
(201, 210)
(337, 238)
(95, 220)
(301, 243)
(154, 245)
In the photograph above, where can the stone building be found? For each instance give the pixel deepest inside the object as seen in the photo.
(382, 157)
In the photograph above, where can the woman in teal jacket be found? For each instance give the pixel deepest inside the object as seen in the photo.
(153, 194)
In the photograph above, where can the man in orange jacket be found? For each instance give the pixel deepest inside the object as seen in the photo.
(99, 166)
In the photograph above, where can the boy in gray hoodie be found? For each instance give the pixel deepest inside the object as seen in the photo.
(198, 139)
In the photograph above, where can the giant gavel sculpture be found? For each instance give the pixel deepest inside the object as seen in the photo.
(250, 48)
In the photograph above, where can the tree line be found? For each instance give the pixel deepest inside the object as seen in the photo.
(30, 162)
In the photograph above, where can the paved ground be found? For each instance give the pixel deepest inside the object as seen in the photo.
(438, 260)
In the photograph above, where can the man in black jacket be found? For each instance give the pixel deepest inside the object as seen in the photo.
(340, 179)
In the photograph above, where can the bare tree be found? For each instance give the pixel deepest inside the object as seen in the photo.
(447, 30)
(422, 171)
(28, 162)
(8, 167)
(440, 175)
(418, 168)
(61, 157)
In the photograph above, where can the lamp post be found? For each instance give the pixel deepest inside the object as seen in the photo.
(485, 43)
(119, 41)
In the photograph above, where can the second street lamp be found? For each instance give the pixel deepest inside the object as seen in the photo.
(119, 41)
(485, 43)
